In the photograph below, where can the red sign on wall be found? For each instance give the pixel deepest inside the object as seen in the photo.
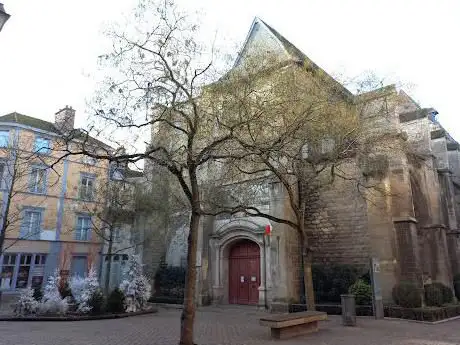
(268, 229)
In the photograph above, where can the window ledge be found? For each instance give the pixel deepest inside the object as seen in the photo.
(37, 193)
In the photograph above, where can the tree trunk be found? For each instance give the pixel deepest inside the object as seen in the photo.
(4, 216)
(307, 273)
(308, 280)
(109, 265)
(188, 311)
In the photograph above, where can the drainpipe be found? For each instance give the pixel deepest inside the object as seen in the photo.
(265, 275)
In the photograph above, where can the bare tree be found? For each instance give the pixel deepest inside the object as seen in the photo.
(160, 79)
(25, 173)
(112, 208)
(157, 73)
(312, 127)
(160, 204)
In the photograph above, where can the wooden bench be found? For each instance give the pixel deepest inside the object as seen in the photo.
(292, 325)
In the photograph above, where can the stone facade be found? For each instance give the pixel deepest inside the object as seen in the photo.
(410, 225)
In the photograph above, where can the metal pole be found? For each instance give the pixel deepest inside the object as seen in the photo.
(265, 275)
(377, 300)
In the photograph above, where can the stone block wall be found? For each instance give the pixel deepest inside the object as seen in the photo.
(434, 255)
(408, 255)
(337, 221)
(293, 259)
(284, 249)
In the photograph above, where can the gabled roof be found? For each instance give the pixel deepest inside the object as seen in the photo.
(288, 46)
(48, 127)
(292, 51)
(408, 98)
(29, 121)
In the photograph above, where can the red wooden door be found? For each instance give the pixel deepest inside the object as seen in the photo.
(244, 273)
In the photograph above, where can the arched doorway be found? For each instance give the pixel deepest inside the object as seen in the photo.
(244, 273)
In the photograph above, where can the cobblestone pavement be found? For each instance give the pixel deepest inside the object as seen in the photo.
(222, 327)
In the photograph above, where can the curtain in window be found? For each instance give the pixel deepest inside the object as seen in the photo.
(31, 223)
(37, 180)
(83, 226)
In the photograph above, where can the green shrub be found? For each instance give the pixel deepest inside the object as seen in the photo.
(96, 302)
(331, 281)
(170, 281)
(446, 292)
(437, 294)
(433, 295)
(116, 301)
(457, 285)
(366, 277)
(407, 295)
(362, 292)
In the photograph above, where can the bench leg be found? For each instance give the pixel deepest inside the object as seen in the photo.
(294, 331)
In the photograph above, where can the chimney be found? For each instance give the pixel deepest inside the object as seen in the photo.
(64, 119)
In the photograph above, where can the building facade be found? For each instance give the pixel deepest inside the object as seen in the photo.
(48, 200)
(412, 228)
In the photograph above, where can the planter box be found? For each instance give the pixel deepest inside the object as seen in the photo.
(70, 317)
(332, 309)
(166, 300)
(279, 307)
(428, 314)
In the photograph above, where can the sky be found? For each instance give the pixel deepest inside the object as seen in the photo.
(49, 48)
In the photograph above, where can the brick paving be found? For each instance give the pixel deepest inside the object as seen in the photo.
(216, 326)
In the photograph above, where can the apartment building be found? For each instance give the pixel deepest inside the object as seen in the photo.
(48, 200)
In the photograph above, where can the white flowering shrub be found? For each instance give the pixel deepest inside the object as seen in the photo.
(135, 285)
(26, 304)
(52, 302)
(77, 285)
(83, 290)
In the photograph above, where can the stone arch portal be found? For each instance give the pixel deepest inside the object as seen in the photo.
(227, 236)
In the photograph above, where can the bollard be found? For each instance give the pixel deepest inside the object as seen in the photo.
(348, 310)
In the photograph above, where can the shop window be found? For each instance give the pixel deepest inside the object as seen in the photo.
(9, 262)
(24, 270)
(38, 270)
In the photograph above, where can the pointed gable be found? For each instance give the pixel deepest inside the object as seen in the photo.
(294, 52)
(266, 43)
(406, 103)
(261, 40)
